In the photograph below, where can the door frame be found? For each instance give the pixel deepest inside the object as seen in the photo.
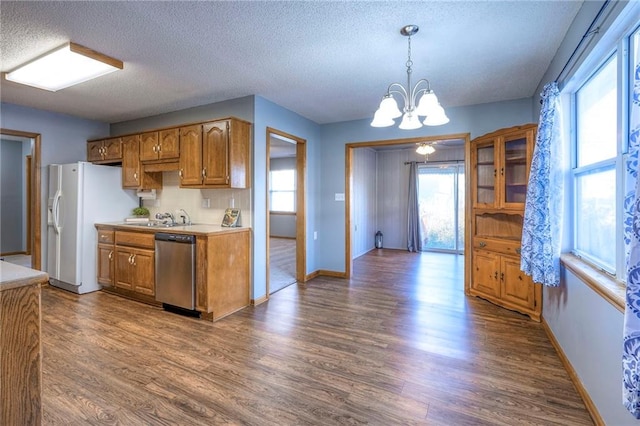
(301, 213)
(349, 147)
(35, 200)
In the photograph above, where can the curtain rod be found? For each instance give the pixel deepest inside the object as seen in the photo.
(590, 31)
(433, 162)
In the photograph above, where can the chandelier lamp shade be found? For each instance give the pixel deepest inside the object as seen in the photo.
(419, 100)
(64, 66)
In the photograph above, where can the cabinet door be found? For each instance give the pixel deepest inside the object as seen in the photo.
(514, 170)
(149, 146)
(113, 149)
(143, 264)
(131, 161)
(485, 174)
(94, 151)
(123, 270)
(517, 287)
(169, 146)
(485, 273)
(105, 264)
(215, 153)
(191, 155)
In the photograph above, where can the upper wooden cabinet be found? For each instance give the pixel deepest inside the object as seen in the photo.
(133, 176)
(105, 151)
(215, 154)
(500, 162)
(160, 145)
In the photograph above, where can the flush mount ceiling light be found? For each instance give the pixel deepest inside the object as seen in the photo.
(425, 148)
(63, 67)
(428, 106)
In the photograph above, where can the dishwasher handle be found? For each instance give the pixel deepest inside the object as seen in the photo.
(176, 238)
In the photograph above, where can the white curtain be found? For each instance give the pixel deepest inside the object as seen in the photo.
(631, 348)
(414, 241)
(541, 230)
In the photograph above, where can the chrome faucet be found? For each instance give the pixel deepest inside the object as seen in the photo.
(186, 219)
(164, 216)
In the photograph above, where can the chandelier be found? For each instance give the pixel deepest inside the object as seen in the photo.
(428, 105)
(425, 148)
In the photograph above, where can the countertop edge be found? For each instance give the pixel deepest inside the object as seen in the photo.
(15, 276)
(198, 229)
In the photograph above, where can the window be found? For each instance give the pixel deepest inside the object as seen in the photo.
(596, 149)
(282, 190)
(600, 127)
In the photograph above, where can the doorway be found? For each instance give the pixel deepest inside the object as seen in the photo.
(408, 145)
(441, 203)
(28, 216)
(286, 214)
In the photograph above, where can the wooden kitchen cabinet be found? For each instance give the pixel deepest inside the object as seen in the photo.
(105, 151)
(160, 145)
(106, 253)
(134, 265)
(215, 154)
(133, 175)
(500, 163)
(223, 277)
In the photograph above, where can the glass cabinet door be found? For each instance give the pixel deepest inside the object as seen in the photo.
(515, 170)
(486, 176)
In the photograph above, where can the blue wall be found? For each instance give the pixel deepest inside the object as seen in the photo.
(63, 140)
(476, 120)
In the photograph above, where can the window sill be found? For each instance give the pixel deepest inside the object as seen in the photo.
(275, 212)
(612, 290)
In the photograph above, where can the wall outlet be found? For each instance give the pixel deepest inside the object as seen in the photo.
(339, 196)
(315, 235)
(205, 203)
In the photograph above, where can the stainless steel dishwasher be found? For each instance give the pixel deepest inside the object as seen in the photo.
(175, 270)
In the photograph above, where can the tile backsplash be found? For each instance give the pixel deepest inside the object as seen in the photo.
(171, 198)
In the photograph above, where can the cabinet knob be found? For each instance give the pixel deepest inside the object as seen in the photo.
(501, 276)
(518, 250)
(482, 244)
(502, 171)
(111, 255)
(180, 173)
(495, 276)
(130, 261)
(204, 172)
(133, 259)
(135, 176)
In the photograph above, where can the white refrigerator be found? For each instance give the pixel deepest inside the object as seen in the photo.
(81, 194)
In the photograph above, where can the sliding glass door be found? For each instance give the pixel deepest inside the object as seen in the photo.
(441, 202)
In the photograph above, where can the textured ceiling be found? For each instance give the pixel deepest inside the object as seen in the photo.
(327, 61)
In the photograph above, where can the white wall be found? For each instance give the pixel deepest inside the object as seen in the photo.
(171, 198)
(364, 213)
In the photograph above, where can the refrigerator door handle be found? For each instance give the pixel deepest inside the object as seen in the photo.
(56, 212)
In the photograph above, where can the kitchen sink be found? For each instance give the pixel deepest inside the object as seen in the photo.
(154, 224)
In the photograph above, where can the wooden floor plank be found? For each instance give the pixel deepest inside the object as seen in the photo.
(398, 343)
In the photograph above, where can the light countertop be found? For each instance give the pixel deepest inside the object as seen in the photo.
(195, 229)
(14, 276)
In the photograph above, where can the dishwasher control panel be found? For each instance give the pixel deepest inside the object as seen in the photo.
(176, 238)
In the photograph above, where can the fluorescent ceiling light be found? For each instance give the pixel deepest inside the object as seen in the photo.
(63, 67)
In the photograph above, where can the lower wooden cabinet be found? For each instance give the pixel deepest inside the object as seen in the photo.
(106, 249)
(126, 266)
(135, 270)
(498, 278)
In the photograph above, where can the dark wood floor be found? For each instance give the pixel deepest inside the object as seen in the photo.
(398, 344)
